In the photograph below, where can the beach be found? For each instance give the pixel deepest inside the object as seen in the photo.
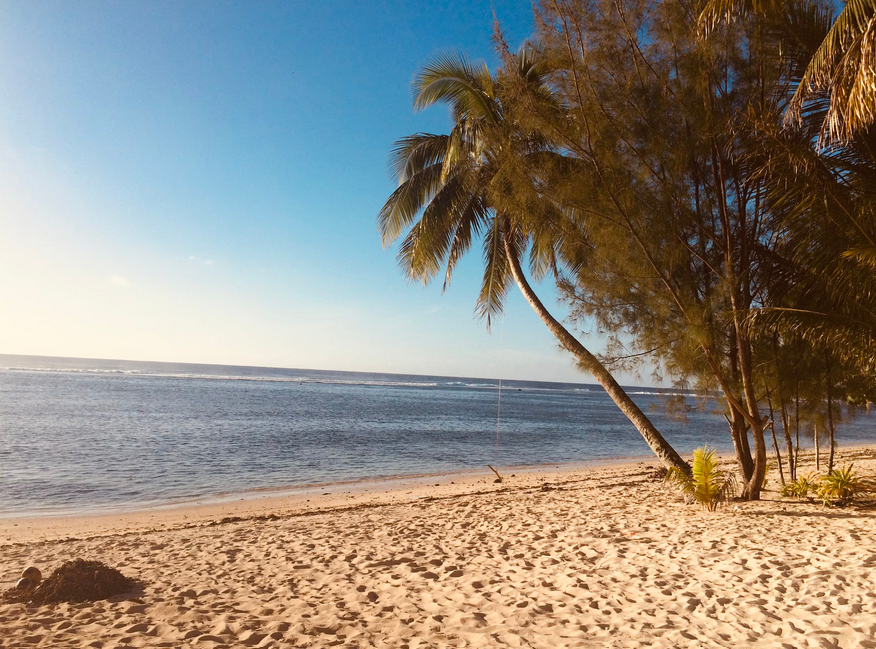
(593, 557)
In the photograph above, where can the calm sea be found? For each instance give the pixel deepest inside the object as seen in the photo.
(82, 435)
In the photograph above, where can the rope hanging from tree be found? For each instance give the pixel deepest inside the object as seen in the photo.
(499, 401)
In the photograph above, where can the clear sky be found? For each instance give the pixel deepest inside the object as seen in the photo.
(199, 182)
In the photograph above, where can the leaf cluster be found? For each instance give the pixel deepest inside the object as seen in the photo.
(707, 484)
(801, 487)
(842, 486)
(836, 488)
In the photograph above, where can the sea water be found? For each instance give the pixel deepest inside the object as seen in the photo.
(81, 435)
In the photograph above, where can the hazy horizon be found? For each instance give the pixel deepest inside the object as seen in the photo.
(7, 357)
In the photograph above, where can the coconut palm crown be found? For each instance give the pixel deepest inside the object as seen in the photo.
(449, 184)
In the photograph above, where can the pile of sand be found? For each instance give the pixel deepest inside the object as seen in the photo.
(75, 581)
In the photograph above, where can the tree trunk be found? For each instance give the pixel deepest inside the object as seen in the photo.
(751, 490)
(830, 457)
(796, 427)
(817, 455)
(667, 455)
(772, 426)
(830, 428)
(786, 428)
(778, 454)
(796, 451)
(739, 435)
(784, 413)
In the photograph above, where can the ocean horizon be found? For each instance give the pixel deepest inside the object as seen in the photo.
(95, 435)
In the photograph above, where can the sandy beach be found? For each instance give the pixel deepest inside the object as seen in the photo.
(601, 557)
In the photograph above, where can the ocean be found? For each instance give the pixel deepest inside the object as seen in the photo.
(83, 436)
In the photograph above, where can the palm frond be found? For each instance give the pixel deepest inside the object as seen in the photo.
(494, 285)
(405, 203)
(717, 11)
(863, 254)
(427, 245)
(473, 218)
(706, 484)
(414, 153)
(851, 339)
(454, 80)
(845, 64)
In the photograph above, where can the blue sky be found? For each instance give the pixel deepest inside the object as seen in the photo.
(199, 182)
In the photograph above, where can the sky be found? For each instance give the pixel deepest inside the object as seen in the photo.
(199, 182)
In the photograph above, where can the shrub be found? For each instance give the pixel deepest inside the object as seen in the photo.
(707, 484)
(801, 487)
(841, 486)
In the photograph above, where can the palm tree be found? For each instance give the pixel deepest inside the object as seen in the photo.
(844, 65)
(826, 204)
(454, 188)
(822, 197)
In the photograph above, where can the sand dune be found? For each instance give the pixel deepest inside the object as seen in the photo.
(587, 558)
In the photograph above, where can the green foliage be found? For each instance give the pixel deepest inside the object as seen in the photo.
(661, 180)
(707, 484)
(801, 487)
(842, 486)
(839, 487)
(459, 189)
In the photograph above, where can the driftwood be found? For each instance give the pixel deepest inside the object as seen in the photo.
(498, 477)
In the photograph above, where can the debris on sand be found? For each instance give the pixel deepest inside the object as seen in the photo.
(32, 574)
(75, 581)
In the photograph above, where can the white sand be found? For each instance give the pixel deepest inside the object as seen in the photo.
(598, 558)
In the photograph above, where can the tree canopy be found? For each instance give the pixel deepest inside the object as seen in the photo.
(698, 179)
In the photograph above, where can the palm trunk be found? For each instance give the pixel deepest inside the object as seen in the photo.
(667, 455)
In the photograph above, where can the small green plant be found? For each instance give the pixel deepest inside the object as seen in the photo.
(841, 486)
(801, 487)
(707, 484)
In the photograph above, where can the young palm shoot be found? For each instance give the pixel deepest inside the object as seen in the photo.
(707, 484)
(842, 486)
(802, 487)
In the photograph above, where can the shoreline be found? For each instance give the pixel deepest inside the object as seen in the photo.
(378, 483)
(294, 501)
(326, 497)
(294, 494)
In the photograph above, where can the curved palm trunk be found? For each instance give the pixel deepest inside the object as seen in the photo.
(588, 361)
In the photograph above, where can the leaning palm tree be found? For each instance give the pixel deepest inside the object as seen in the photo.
(456, 188)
